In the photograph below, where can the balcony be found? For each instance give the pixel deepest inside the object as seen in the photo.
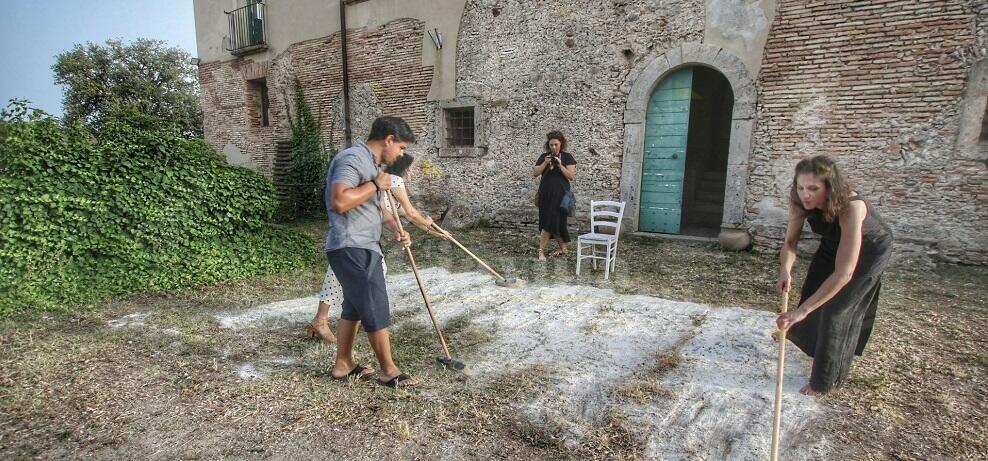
(248, 32)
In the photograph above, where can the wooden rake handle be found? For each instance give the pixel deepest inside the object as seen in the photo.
(465, 250)
(415, 270)
(777, 419)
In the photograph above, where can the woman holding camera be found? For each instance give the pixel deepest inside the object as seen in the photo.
(557, 168)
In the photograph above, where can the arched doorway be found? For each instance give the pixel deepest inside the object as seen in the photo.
(684, 166)
(712, 64)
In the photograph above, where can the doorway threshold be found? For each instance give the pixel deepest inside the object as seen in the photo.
(677, 237)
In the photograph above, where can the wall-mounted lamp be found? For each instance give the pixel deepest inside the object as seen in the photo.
(437, 39)
(194, 61)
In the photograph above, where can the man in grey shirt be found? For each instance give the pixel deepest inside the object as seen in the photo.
(354, 250)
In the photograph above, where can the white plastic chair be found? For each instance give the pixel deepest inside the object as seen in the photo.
(602, 215)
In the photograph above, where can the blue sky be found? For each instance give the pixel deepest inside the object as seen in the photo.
(33, 32)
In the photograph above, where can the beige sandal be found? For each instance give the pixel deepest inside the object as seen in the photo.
(320, 331)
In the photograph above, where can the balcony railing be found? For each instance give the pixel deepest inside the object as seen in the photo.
(248, 29)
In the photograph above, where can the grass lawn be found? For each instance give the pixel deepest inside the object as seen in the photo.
(170, 383)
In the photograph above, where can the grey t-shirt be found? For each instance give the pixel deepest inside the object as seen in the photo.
(361, 226)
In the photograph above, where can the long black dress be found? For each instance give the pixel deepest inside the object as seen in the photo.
(552, 187)
(840, 328)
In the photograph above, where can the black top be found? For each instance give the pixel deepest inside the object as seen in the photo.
(872, 228)
(553, 179)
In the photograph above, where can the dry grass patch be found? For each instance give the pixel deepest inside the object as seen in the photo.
(647, 388)
(72, 387)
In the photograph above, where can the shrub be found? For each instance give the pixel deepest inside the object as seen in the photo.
(135, 207)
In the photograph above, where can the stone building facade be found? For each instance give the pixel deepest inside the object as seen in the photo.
(895, 90)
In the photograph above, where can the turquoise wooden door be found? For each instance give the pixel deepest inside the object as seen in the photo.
(666, 127)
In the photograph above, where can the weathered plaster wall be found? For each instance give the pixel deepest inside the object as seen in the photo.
(741, 27)
(296, 21)
(540, 66)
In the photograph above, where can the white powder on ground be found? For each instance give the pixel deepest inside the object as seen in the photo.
(291, 311)
(130, 320)
(716, 404)
(247, 372)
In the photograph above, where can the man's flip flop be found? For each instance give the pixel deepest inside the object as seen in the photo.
(358, 372)
(396, 381)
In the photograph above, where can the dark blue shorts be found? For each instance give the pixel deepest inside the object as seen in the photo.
(365, 295)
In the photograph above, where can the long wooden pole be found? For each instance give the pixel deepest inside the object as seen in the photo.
(777, 422)
(347, 131)
(415, 270)
(451, 239)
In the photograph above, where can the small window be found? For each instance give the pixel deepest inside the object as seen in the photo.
(258, 103)
(459, 127)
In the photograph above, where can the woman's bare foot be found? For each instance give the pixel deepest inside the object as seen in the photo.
(541, 254)
(807, 390)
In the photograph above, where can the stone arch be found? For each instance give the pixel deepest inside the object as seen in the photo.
(732, 234)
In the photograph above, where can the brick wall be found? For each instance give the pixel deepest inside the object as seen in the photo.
(876, 84)
(227, 117)
(399, 86)
(387, 61)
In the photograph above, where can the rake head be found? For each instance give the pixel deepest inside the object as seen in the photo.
(451, 363)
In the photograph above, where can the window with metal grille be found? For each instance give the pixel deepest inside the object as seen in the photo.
(459, 127)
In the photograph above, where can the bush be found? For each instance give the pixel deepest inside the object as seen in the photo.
(135, 207)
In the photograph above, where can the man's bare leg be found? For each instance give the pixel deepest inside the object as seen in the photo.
(346, 331)
(380, 342)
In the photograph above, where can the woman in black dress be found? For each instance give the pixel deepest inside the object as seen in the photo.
(840, 295)
(557, 168)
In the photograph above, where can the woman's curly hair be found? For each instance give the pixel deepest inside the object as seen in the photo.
(838, 187)
(557, 135)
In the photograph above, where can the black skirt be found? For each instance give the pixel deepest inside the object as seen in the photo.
(839, 329)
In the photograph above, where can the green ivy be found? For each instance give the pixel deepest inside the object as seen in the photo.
(136, 207)
(306, 174)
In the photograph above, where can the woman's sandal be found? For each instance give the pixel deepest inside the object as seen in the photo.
(542, 255)
(397, 381)
(323, 334)
(559, 253)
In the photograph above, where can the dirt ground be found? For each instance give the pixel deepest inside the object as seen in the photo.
(156, 377)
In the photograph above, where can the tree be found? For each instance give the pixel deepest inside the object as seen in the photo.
(144, 76)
